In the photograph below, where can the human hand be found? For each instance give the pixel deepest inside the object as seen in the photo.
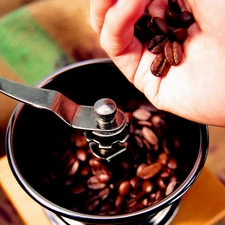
(194, 89)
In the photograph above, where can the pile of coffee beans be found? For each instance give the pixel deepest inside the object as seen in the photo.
(148, 171)
(165, 36)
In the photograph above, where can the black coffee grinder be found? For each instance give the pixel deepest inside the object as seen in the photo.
(92, 89)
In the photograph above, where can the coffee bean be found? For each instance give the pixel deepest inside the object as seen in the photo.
(132, 202)
(159, 195)
(160, 25)
(72, 167)
(145, 202)
(140, 169)
(124, 188)
(94, 183)
(156, 44)
(173, 6)
(186, 19)
(160, 182)
(81, 154)
(103, 194)
(141, 114)
(171, 18)
(178, 34)
(147, 186)
(85, 171)
(91, 204)
(160, 66)
(119, 201)
(173, 53)
(144, 123)
(165, 174)
(162, 158)
(139, 141)
(150, 170)
(103, 175)
(149, 135)
(78, 189)
(172, 163)
(135, 183)
(170, 187)
(79, 140)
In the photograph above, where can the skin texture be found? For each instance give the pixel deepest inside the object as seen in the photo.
(195, 88)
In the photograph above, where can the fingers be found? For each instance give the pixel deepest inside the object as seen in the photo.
(157, 8)
(119, 24)
(98, 9)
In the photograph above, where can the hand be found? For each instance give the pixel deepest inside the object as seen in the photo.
(195, 88)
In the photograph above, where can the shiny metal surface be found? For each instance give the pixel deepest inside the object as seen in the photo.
(78, 116)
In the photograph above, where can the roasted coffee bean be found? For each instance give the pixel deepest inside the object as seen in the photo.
(141, 114)
(170, 187)
(173, 6)
(91, 204)
(160, 25)
(156, 44)
(147, 146)
(171, 18)
(158, 122)
(159, 195)
(103, 194)
(144, 123)
(178, 34)
(139, 141)
(119, 201)
(160, 182)
(150, 170)
(134, 208)
(163, 158)
(85, 171)
(172, 163)
(132, 202)
(135, 183)
(79, 140)
(94, 183)
(78, 189)
(149, 135)
(147, 186)
(186, 19)
(137, 194)
(159, 125)
(124, 188)
(145, 202)
(81, 154)
(160, 66)
(173, 53)
(140, 168)
(103, 175)
(72, 167)
(141, 30)
(95, 163)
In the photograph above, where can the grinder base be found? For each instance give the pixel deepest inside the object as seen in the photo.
(164, 217)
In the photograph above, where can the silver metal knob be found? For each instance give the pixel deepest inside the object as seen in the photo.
(105, 110)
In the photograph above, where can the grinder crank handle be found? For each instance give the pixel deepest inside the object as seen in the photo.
(77, 116)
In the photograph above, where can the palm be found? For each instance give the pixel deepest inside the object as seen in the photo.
(193, 89)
